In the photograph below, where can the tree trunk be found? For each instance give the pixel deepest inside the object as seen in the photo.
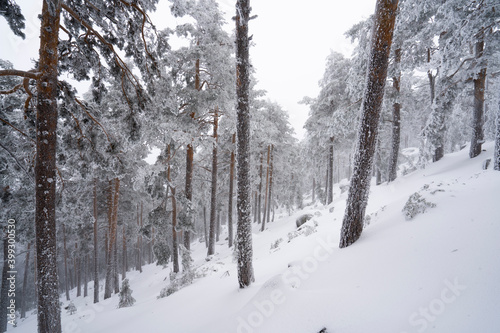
(330, 173)
(352, 226)
(270, 187)
(66, 280)
(259, 205)
(25, 281)
(230, 203)
(213, 200)
(96, 271)
(478, 115)
(266, 188)
(189, 190)
(205, 225)
(244, 227)
(112, 215)
(138, 259)
(124, 254)
(85, 278)
(49, 311)
(496, 162)
(314, 190)
(396, 119)
(78, 272)
(175, 245)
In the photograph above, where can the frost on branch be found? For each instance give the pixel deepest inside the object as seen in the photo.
(415, 205)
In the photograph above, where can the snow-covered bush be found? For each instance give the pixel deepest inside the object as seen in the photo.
(126, 298)
(415, 205)
(71, 308)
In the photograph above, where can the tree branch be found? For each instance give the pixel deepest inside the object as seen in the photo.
(25, 74)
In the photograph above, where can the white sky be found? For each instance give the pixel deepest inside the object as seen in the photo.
(291, 42)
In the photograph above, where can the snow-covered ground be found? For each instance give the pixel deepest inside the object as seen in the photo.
(438, 272)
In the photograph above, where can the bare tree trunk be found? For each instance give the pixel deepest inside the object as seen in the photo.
(49, 311)
(85, 278)
(385, 16)
(396, 119)
(244, 227)
(78, 272)
(96, 271)
(213, 200)
(496, 162)
(230, 203)
(478, 115)
(330, 173)
(113, 216)
(270, 187)
(189, 189)
(260, 188)
(25, 281)
(124, 254)
(205, 224)
(66, 280)
(175, 246)
(266, 188)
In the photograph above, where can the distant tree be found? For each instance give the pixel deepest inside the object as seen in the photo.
(126, 298)
(385, 16)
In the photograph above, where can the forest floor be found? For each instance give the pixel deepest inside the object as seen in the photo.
(438, 272)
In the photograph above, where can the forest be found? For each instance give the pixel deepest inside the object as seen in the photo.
(82, 201)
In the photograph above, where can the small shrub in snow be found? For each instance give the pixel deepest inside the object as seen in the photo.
(276, 243)
(126, 298)
(71, 308)
(415, 205)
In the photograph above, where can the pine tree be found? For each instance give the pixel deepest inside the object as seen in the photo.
(352, 226)
(244, 227)
(126, 298)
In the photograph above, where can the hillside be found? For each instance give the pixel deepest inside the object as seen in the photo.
(438, 272)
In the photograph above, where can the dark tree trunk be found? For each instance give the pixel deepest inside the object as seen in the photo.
(213, 200)
(244, 227)
(266, 188)
(330, 173)
(85, 278)
(25, 282)
(496, 162)
(96, 268)
(352, 226)
(113, 215)
(205, 225)
(124, 254)
(189, 189)
(49, 311)
(478, 115)
(175, 244)
(269, 203)
(78, 272)
(396, 120)
(259, 205)
(66, 280)
(138, 259)
(230, 203)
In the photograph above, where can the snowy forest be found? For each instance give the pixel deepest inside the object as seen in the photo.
(173, 156)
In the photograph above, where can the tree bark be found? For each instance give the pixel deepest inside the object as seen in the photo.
(49, 312)
(189, 190)
(270, 187)
(266, 188)
(78, 272)
(244, 227)
(85, 279)
(124, 254)
(352, 226)
(213, 200)
(396, 119)
(259, 205)
(96, 268)
(112, 215)
(330, 173)
(478, 115)
(175, 245)
(66, 280)
(230, 203)
(205, 225)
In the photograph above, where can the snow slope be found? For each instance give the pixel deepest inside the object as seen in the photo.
(438, 272)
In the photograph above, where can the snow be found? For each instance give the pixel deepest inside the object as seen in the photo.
(438, 272)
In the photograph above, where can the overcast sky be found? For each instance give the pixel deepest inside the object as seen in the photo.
(291, 42)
